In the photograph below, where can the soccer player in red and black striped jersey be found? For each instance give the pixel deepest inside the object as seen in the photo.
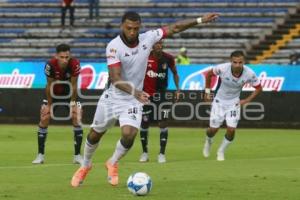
(62, 73)
(155, 84)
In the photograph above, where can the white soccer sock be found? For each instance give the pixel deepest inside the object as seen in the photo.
(89, 150)
(120, 151)
(225, 143)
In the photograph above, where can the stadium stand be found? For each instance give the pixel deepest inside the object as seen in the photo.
(245, 24)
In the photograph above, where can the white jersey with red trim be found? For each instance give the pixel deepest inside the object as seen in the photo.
(133, 61)
(230, 87)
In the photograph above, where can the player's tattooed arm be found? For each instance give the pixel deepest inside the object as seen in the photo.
(182, 25)
(118, 82)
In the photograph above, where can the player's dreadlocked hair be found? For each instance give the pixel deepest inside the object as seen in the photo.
(132, 16)
(62, 48)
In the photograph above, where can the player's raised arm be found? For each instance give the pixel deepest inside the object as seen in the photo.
(182, 25)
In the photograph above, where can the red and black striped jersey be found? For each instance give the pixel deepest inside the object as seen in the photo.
(156, 79)
(53, 70)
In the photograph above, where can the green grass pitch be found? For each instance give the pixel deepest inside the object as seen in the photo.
(261, 164)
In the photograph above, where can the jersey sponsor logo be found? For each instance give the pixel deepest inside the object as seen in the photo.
(153, 74)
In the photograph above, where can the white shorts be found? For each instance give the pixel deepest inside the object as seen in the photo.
(220, 111)
(108, 111)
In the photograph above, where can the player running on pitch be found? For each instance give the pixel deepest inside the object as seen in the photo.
(227, 104)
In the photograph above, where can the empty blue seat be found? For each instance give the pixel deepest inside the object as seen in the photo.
(29, 10)
(176, 11)
(25, 20)
(225, 1)
(18, 31)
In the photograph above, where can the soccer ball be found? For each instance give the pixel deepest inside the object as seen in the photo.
(139, 183)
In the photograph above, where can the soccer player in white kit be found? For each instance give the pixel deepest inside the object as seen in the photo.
(227, 104)
(127, 57)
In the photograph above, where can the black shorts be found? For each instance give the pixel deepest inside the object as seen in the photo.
(159, 108)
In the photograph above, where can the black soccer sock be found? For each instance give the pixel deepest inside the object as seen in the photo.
(144, 139)
(78, 132)
(42, 136)
(163, 139)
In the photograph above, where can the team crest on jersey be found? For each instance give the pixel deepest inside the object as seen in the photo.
(126, 54)
(145, 47)
(112, 50)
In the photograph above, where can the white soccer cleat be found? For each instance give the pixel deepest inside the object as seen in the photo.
(161, 158)
(220, 156)
(144, 157)
(77, 159)
(206, 148)
(39, 159)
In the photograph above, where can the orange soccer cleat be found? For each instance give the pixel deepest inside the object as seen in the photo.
(112, 173)
(79, 176)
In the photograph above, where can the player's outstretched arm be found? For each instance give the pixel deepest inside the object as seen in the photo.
(182, 25)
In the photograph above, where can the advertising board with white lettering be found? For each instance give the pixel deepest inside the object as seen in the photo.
(192, 77)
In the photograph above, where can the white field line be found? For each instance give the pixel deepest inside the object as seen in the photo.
(35, 166)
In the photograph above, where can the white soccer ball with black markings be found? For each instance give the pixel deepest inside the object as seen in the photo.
(139, 183)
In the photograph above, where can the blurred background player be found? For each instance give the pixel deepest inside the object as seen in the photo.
(155, 84)
(127, 57)
(93, 5)
(227, 104)
(182, 58)
(61, 68)
(294, 59)
(67, 5)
